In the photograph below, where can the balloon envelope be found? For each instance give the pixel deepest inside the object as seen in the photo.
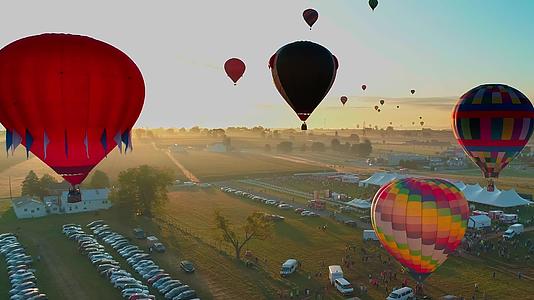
(68, 99)
(381, 102)
(412, 91)
(234, 68)
(373, 4)
(344, 99)
(310, 16)
(303, 73)
(364, 87)
(376, 107)
(420, 221)
(492, 123)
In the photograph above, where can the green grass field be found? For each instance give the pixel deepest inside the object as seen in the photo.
(217, 166)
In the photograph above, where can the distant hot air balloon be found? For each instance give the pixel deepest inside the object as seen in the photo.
(303, 72)
(382, 102)
(492, 123)
(364, 87)
(420, 118)
(379, 110)
(398, 106)
(420, 221)
(422, 123)
(412, 91)
(343, 99)
(413, 123)
(390, 123)
(376, 107)
(234, 68)
(69, 100)
(310, 15)
(373, 4)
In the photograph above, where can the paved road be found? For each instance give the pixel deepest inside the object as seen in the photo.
(186, 172)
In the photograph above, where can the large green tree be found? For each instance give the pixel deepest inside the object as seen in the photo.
(256, 227)
(46, 183)
(31, 185)
(142, 189)
(99, 180)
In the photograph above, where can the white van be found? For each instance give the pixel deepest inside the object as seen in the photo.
(289, 267)
(405, 293)
(513, 231)
(334, 272)
(343, 286)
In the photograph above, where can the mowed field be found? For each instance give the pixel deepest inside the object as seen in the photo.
(211, 166)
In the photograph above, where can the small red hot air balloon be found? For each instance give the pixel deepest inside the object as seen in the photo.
(412, 91)
(235, 68)
(310, 15)
(364, 87)
(344, 99)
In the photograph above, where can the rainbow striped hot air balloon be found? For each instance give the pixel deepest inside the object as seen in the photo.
(419, 221)
(492, 123)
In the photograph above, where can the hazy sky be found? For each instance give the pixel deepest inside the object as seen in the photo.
(440, 48)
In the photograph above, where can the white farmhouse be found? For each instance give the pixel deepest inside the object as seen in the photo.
(26, 207)
(92, 199)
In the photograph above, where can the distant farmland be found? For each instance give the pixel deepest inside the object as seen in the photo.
(216, 166)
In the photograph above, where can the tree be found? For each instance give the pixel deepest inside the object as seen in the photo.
(285, 147)
(318, 147)
(256, 227)
(31, 185)
(46, 183)
(334, 144)
(362, 149)
(99, 180)
(142, 190)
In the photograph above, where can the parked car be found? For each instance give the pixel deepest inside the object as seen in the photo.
(139, 233)
(187, 266)
(186, 295)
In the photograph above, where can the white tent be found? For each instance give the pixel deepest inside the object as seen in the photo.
(479, 222)
(359, 203)
(476, 193)
(381, 179)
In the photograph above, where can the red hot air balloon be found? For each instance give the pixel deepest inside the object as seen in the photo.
(234, 68)
(364, 87)
(310, 15)
(344, 99)
(69, 100)
(303, 73)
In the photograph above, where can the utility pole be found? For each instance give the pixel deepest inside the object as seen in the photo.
(10, 193)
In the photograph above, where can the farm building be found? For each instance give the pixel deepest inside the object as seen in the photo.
(27, 207)
(92, 199)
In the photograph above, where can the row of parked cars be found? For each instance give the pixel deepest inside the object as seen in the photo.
(281, 205)
(107, 266)
(21, 275)
(141, 262)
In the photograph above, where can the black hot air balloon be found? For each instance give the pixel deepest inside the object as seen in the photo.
(310, 16)
(303, 72)
(343, 99)
(420, 118)
(379, 110)
(364, 87)
(412, 91)
(376, 107)
(398, 106)
(382, 102)
(422, 123)
(373, 4)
